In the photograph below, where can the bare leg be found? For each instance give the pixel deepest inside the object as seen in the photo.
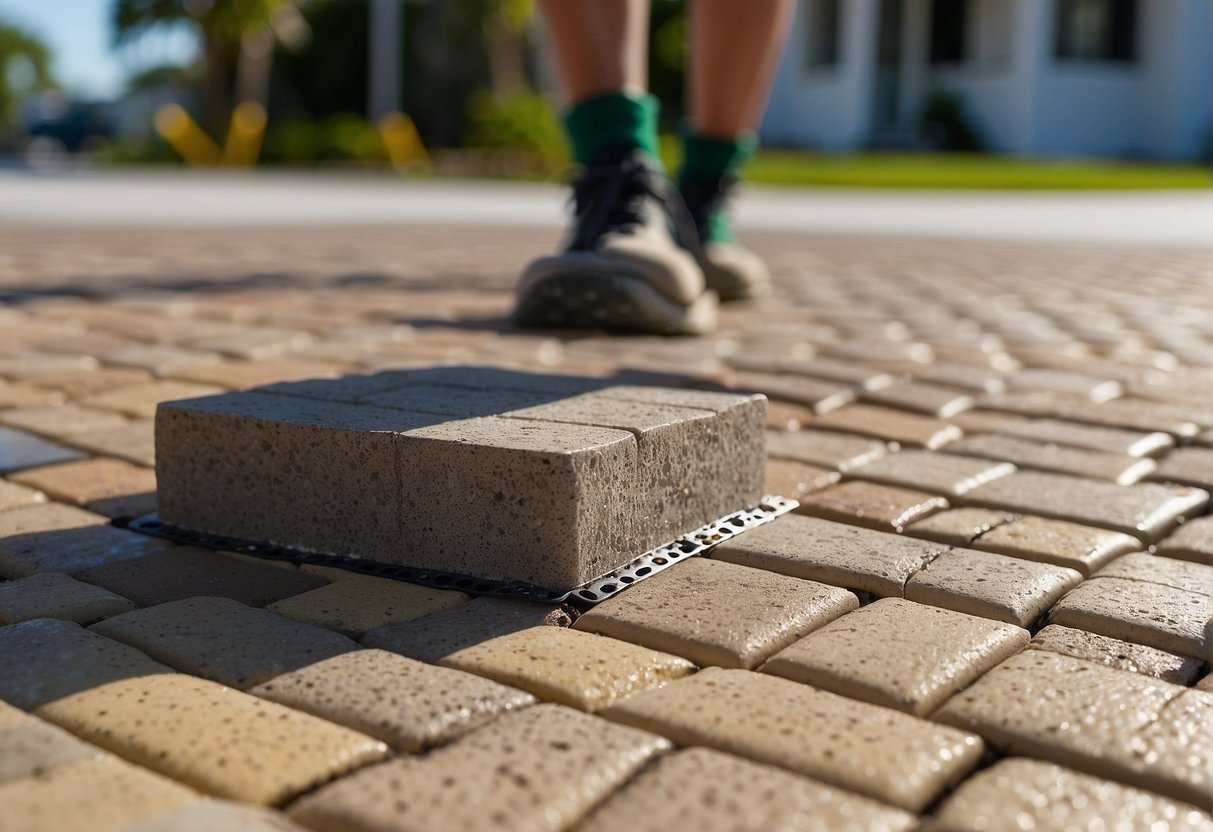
(601, 46)
(735, 48)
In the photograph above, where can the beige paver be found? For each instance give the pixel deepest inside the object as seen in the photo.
(792, 479)
(1121, 469)
(899, 654)
(920, 397)
(891, 426)
(56, 538)
(881, 507)
(786, 416)
(90, 480)
(79, 384)
(1178, 574)
(991, 586)
(102, 795)
(135, 442)
(224, 640)
(13, 495)
(1018, 794)
(410, 705)
(974, 422)
(1109, 440)
(61, 421)
(1187, 466)
(958, 526)
(1113, 652)
(217, 816)
(21, 449)
(824, 449)
(930, 471)
(1063, 381)
(27, 394)
(1159, 616)
(573, 668)
(30, 746)
(714, 792)
(140, 401)
(1110, 723)
(541, 768)
(1082, 548)
(717, 613)
(24, 364)
(242, 375)
(56, 595)
(1192, 541)
(832, 553)
(215, 739)
(158, 359)
(363, 603)
(874, 751)
(821, 396)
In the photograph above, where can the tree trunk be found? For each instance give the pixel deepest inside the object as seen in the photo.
(216, 103)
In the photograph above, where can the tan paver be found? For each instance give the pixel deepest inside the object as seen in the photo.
(1145, 510)
(24, 364)
(21, 449)
(541, 768)
(30, 746)
(102, 795)
(1178, 574)
(90, 481)
(934, 472)
(974, 422)
(181, 572)
(242, 375)
(410, 705)
(874, 751)
(792, 479)
(56, 595)
(79, 384)
(991, 586)
(363, 603)
(13, 495)
(824, 449)
(1018, 794)
(215, 739)
(717, 613)
(1146, 613)
(881, 507)
(899, 654)
(573, 668)
(26, 394)
(1106, 722)
(1121, 469)
(821, 396)
(62, 421)
(1109, 440)
(140, 401)
(958, 526)
(1192, 541)
(920, 397)
(1187, 466)
(832, 553)
(891, 426)
(224, 640)
(714, 792)
(786, 416)
(1062, 381)
(1122, 655)
(58, 538)
(135, 442)
(217, 816)
(158, 359)
(1082, 548)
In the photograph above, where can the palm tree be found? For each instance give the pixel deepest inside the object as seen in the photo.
(24, 67)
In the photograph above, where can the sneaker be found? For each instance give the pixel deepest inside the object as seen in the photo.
(623, 270)
(729, 268)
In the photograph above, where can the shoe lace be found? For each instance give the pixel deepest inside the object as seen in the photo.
(615, 197)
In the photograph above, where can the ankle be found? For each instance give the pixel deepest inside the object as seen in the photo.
(608, 127)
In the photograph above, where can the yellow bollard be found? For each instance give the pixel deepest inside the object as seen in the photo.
(244, 135)
(402, 142)
(187, 138)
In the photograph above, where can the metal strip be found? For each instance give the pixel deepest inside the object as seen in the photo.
(650, 563)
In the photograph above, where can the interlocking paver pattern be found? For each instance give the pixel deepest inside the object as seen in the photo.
(56, 595)
(958, 526)
(1175, 620)
(1191, 541)
(360, 604)
(1114, 652)
(930, 471)
(30, 746)
(1081, 462)
(1082, 548)
(883, 507)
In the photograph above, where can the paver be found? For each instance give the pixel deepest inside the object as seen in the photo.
(78, 384)
(991, 586)
(1083, 548)
(20, 449)
(891, 426)
(56, 538)
(899, 654)
(61, 421)
(91, 481)
(139, 401)
(1108, 440)
(821, 396)
(103, 795)
(135, 442)
(242, 375)
(1063, 459)
(1018, 794)
(837, 451)
(920, 397)
(826, 369)
(56, 595)
(181, 572)
(832, 553)
(216, 816)
(27, 394)
(160, 360)
(360, 604)
(1182, 420)
(541, 768)
(572, 668)
(974, 422)
(1110, 723)
(215, 739)
(930, 471)
(1178, 574)
(874, 751)
(717, 613)
(1113, 652)
(881, 507)
(410, 705)
(1192, 541)
(786, 416)
(436, 636)
(30, 746)
(1145, 510)
(1062, 381)
(224, 640)
(13, 495)
(958, 526)
(792, 479)
(1159, 616)
(24, 364)
(714, 792)
(1187, 466)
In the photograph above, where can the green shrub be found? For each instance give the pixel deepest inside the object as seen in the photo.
(339, 138)
(522, 120)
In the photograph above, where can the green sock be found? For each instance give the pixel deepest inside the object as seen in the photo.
(706, 161)
(620, 119)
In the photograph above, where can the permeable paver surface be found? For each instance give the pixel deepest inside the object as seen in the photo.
(993, 609)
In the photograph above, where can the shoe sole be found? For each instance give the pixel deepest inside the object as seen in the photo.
(612, 303)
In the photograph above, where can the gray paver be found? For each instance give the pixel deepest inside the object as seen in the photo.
(19, 449)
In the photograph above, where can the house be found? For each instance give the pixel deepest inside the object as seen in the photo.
(1047, 78)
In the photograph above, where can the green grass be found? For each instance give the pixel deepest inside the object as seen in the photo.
(956, 171)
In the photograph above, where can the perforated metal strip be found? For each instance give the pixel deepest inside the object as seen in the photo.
(650, 563)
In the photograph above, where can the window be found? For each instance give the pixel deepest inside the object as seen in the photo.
(949, 27)
(1097, 30)
(824, 21)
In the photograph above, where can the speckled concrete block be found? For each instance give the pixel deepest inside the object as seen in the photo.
(837, 451)
(18, 496)
(1177, 574)
(30, 746)
(1114, 652)
(881, 507)
(1084, 548)
(55, 595)
(891, 426)
(362, 603)
(218, 816)
(1159, 616)
(958, 526)
(937, 473)
(1192, 541)
(1121, 469)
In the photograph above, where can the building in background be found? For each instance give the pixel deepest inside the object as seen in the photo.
(1110, 78)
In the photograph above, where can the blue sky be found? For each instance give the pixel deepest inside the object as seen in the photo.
(78, 33)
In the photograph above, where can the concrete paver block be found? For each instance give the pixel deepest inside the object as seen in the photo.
(794, 480)
(224, 640)
(210, 815)
(92, 481)
(572, 668)
(836, 451)
(1108, 440)
(30, 746)
(1192, 541)
(920, 397)
(1177, 574)
(714, 792)
(27, 394)
(61, 421)
(881, 507)
(899, 654)
(1018, 793)
(139, 401)
(363, 603)
(891, 426)
(1082, 548)
(717, 613)
(13, 495)
(832, 553)
(79, 384)
(1063, 459)
(1063, 381)
(958, 526)
(77, 541)
(818, 395)
(1187, 466)
(135, 442)
(215, 739)
(873, 751)
(410, 705)
(159, 359)
(1158, 616)
(1114, 652)
(19, 449)
(934, 472)
(994, 586)
(56, 595)
(541, 768)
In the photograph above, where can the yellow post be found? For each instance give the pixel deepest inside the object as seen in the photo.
(402, 142)
(187, 138)
(244, 135)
